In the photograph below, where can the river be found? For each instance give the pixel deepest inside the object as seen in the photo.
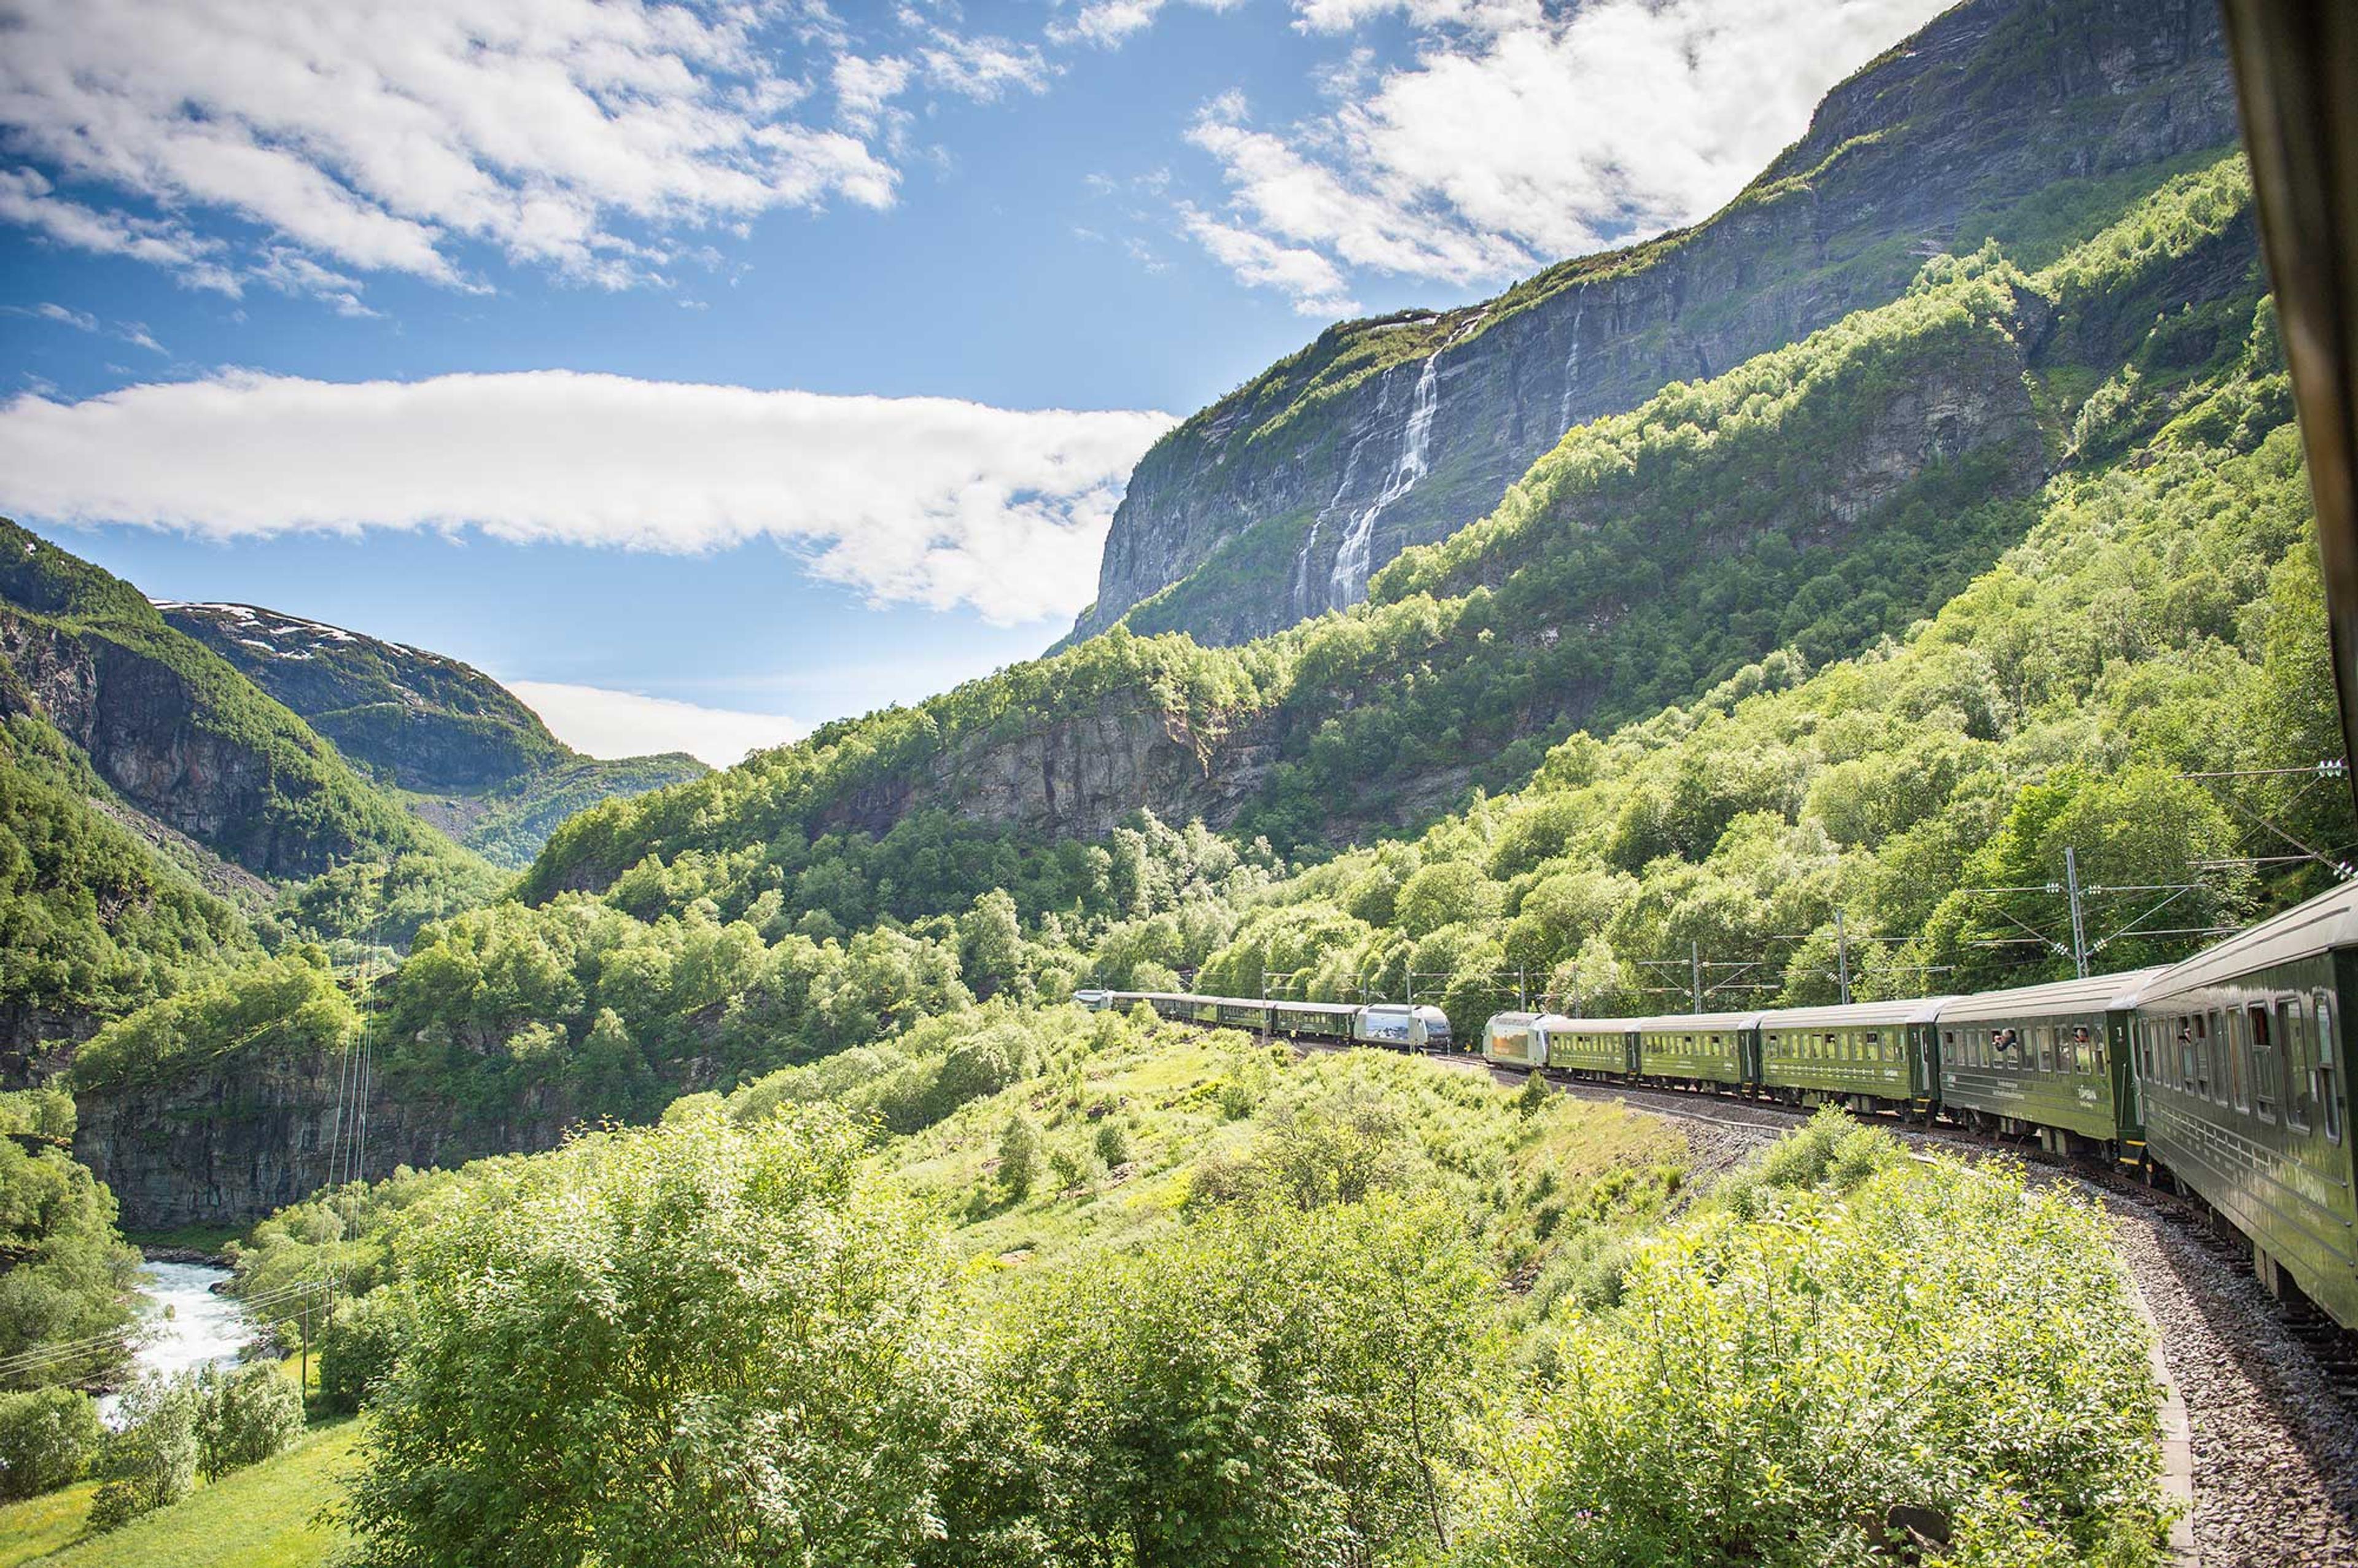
(187, 1325)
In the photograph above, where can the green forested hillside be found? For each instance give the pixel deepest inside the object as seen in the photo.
(1816, 500)
(176, 730)
(465, 754)
(94, 921)
(2156, 617)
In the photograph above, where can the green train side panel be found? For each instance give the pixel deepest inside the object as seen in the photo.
(2083, 1102)
(2287, 1187)
(1605, 1051)
(1671, 1055)
(1795, 1060)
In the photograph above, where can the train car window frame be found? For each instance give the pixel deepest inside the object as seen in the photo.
(2239, 1065)
(2269, 1030)
(2329, 1100)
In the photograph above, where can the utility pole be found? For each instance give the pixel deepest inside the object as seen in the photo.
(2079, 929)
(1694, 956)
(1842, 956)
(1523, 990)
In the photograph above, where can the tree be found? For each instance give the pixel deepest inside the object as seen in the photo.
(244, 1416)
(1020, 1148)
(1261, 1387)
(694, 1344)
(151, 1462)
(991, 945)
(70, 1277)
(45, 1437)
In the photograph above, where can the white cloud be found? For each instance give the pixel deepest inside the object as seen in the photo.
(982, 67)
(378, 134)
(132, 332)
(864, 87)
(1520, 132)
(1109, 23)
(28, 198)
(602, 723)
(1316, 287)
(929, 501)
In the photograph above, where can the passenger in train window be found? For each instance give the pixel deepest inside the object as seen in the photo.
(2082, 1050)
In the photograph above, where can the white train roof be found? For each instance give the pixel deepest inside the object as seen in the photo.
(1692, 1022)
(2097, 993)
(2326, 922)
(1557, 1024)
(1857, 1014)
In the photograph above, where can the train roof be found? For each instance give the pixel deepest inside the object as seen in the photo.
(1515, 1020)
(2322, 923)
(1854, 1015)
(1689, 1022)
(1418, 1008)
(2097, 993)
(1556, 1020)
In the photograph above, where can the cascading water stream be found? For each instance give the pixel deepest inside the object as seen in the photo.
(1571, 371)
(1349, 580)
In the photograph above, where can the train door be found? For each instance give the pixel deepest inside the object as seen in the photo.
(1924, 1066)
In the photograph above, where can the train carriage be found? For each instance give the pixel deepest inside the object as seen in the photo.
(2051, 1058)
(1514, 1040)
(1868, 1054)
(1695, 1047)
(1406, 1025)
(1594, 1047)
(2240, 1056)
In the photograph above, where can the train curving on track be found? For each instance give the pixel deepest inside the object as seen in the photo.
(2223, 1074)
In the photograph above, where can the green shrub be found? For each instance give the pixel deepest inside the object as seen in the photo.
(150, 1462)
(46, 1438)
(1019, 1157)
(357, 1348)
(1934, 1343)
(244, 1417)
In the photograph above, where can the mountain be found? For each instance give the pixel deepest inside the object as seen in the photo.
(2033, 122)
(470, 756)
(175, 732)
(1815, 499)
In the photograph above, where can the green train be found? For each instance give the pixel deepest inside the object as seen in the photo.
(2222, 1075)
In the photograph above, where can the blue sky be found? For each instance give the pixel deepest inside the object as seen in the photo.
(707, 370)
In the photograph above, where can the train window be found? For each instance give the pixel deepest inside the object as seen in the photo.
(2329, 1095)
(2267, 1064)
(2046, 1039)
(1874, 1043)
(2215, 1076)
(2238, 1046)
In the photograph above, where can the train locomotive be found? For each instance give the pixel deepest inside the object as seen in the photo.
(2220, 1074)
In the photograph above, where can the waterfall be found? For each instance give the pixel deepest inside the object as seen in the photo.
(1349, 580)
(1306, 595)
(1571, 369)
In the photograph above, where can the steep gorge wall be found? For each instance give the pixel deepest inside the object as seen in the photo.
(228, 1143)
(1324, 478)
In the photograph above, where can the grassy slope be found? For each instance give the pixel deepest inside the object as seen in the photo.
(263, 1516)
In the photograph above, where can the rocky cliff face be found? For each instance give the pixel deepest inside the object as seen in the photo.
(227, 1145)
(148, 730)
(1279, 501)
(1081, 777)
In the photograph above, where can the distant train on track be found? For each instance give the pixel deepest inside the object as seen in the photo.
(2222, 1073)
